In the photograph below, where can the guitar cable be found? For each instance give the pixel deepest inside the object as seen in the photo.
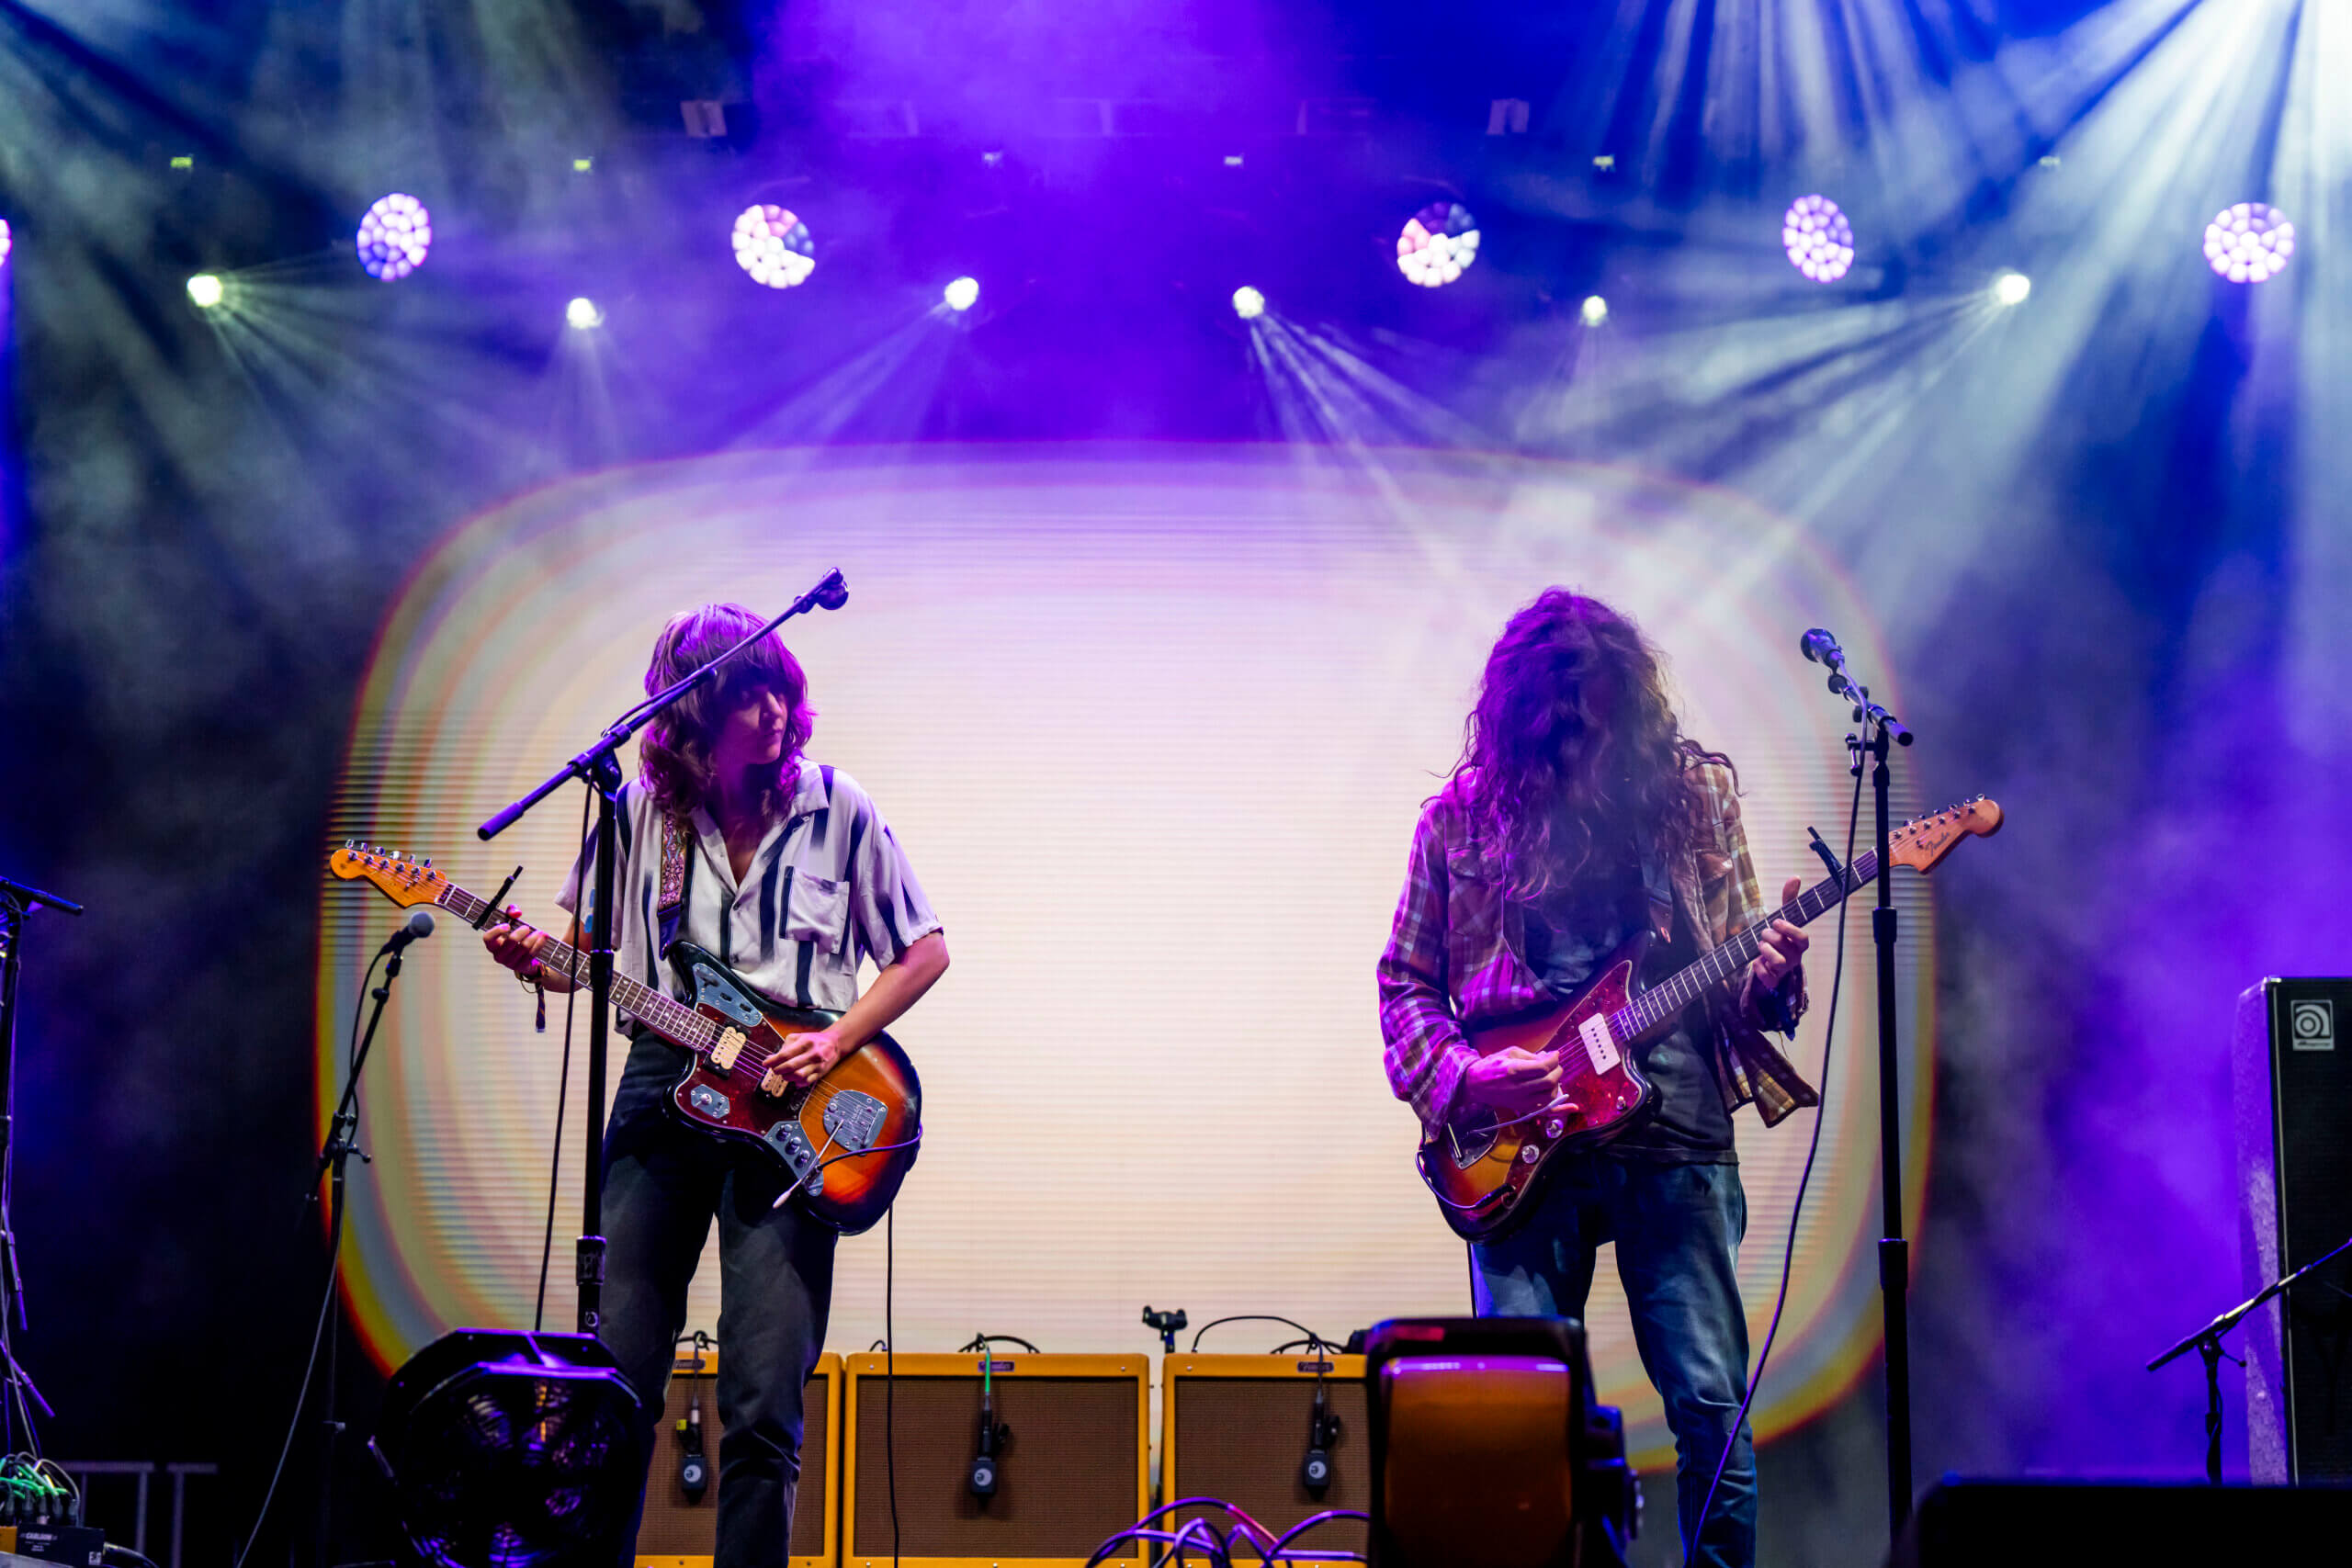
(562, 1095)
(1796, 1209)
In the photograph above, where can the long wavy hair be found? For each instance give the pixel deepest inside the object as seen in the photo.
(674, 754)
(1574, 744)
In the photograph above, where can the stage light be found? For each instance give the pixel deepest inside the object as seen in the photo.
(1595, 311)
(962, 294)
(1248, 303)
(2249, 243)
(205, 289)
(1819, 240)
(2011, 288)
(582, 166)
(774, 246)
(1438, 242)
(582, 314)
(7, 241)
(394, 236)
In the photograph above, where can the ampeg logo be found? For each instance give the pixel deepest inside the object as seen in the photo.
(2311, 1025)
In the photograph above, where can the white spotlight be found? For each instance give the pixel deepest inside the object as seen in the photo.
(962, 294)
(204, 290)
(582, 314)
(2011, 288)
(1248, 303)
(1596, 311)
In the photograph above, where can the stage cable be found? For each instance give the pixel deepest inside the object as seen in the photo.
(562, 1095)
(1796, 1211)
(318, 1330)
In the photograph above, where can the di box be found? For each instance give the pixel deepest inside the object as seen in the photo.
(1073, 1471)
(681, 1530)
(1235, 1428)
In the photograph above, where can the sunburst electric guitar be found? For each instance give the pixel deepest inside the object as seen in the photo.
(1484, 1169)
(845, 1141)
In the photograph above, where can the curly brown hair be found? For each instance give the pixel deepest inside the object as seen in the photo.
(1574, 740)
(673, 757)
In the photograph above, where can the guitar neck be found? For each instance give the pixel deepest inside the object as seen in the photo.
(1687, 985)
(664, 1014)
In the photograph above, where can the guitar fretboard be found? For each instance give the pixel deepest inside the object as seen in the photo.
(1670, 996)
(664, 1014)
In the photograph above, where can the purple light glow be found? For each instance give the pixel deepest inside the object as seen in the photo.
(1819, 240)
(394, 236)
(774, 246)
(2249, 243)
(6, 241)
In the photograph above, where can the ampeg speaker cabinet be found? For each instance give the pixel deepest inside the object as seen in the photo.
(1069, 1465)
(2292, 1067)
(1240, 1429)
(2065, 1524)
(680, 1528)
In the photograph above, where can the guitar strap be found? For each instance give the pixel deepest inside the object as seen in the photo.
(677, 873)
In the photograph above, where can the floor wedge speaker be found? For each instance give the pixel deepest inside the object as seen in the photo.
(1236, 1428)
(1069, 1468)
(680, 1528)
(2291, 1067)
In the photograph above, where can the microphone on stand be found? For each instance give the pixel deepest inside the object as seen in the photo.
(419, 927)
(1819, 648)
(831, 594)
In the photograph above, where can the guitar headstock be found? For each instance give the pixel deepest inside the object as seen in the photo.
(1924, 841)
(405, 881)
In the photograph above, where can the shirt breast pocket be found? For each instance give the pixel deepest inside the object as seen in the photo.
(817, 911)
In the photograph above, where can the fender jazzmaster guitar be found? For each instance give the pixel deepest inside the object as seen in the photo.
(846, 1141)
(1483, 1170)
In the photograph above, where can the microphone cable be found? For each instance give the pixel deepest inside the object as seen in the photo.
(1796, 1209)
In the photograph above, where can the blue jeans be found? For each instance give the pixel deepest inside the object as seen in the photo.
(664, 1182)
(1677, 1229)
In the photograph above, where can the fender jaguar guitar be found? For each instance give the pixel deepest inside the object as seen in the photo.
(847, 1140)
(1483, 1171)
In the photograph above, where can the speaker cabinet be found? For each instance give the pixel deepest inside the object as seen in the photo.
(1235, 1427)
(2292, 1065)
(2065, 1524)
(1075, 1469)
(680, 1531)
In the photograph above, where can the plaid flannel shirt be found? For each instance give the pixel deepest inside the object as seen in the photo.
(1455, 962)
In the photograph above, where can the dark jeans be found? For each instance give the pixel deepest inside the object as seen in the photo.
(663, 1183)
(1677, 1229)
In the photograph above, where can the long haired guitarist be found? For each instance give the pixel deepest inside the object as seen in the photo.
(1579, 820)
(732, 839)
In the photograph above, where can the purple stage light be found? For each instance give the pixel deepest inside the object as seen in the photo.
(6, 241)
(774, 246)
(1439, 242)
(2249, 243)
(1819, 240)
(394, 236)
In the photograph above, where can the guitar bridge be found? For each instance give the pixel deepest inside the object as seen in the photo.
(852, 1119)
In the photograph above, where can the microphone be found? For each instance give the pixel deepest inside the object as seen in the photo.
(419, 927)
(833, 592)
(1819, 648)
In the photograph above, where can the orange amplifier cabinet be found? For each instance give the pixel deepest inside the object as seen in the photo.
(683, 1532)
(1235, 1427)
(1075, 1469)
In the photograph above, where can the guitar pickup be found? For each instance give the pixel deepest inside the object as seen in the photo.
(729, 1046)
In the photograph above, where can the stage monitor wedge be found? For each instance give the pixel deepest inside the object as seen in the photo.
(681, 1529)
(1074, 1470)
(2292, 1063)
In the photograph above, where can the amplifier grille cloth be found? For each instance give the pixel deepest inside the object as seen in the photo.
(676, 1528)
(1067, 1479)
(1243, 1440)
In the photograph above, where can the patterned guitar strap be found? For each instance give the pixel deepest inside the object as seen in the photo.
(677, 875)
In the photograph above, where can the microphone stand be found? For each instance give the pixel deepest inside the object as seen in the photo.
(599, 768)
(18, 901)
(1881, 731)
(2207, 1341)
(334, 1157)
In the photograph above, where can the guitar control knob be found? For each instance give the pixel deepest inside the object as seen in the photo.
(1530, 1152)
(1555, 1127)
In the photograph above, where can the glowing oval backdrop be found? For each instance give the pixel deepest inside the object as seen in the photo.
(1154, 727)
